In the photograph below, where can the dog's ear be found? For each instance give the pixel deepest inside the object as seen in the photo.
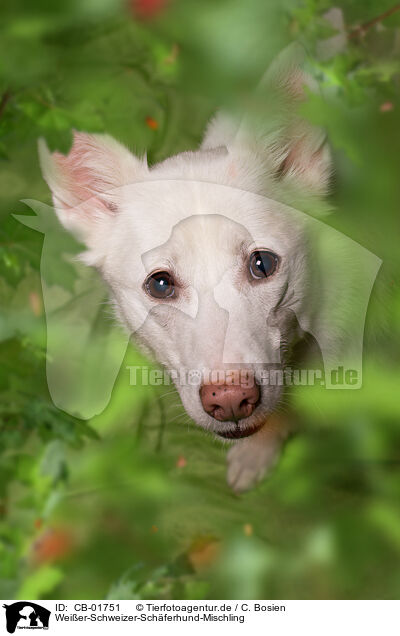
(298, 151)
(86, 183)
(272, 139)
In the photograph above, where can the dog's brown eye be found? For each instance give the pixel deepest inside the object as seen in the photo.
(160, 285)
(263, 263)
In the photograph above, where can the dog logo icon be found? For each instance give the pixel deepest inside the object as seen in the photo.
(26, 615)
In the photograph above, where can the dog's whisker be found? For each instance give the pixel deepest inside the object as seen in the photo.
(174, 407)
(177, 417)
(160, 397)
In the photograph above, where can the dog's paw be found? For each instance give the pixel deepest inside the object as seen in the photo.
(250, 460)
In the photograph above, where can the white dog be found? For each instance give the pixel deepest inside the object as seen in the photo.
(207, 262)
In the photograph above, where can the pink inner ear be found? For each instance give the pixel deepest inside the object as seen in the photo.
(80, 178)
(293, 159)
(306, 164)
(294, 84)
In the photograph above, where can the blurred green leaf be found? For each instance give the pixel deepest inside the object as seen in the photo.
(40, 583)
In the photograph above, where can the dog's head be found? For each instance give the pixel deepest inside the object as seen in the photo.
(205, 267)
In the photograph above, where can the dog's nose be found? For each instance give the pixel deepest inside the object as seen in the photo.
(229, 401)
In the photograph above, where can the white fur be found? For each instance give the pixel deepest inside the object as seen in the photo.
(200, 214)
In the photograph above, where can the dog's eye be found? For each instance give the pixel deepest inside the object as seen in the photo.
(263, 263)
(160, 285)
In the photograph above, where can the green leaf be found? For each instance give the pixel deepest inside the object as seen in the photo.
(40, 583)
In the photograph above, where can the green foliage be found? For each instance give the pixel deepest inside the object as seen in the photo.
(104, 508)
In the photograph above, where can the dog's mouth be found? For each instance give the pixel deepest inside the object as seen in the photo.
(238, 433)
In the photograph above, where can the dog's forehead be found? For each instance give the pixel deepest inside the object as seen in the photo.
(203, 233)
(200, 214)
(201, 246)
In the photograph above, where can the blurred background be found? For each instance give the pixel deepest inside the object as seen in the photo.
(134, 503)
